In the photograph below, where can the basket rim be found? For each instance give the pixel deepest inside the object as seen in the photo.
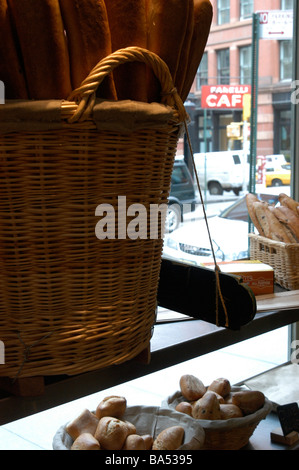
(272, 242)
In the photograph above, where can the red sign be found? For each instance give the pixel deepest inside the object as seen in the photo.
(223, 96)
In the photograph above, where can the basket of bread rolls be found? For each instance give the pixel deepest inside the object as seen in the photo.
(115, 426)
(276, 242)
(229, 415)
(94, 93)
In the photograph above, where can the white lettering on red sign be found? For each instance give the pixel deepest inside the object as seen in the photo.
(221, 96)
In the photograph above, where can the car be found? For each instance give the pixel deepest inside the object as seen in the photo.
(190, 243)
(183, 195)
(278, 176)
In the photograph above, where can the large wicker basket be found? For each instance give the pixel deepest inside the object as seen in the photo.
(71, 302)
(283, 257)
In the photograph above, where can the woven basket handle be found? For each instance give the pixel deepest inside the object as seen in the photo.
(85, 95)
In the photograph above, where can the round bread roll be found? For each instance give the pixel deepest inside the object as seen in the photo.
(134, 442)
(228, 411)
(192, 388)
(184, 407)
(85, 422)
(169, 439)
(207, 407)
(111, 433)
(221, 386)
(111, 406)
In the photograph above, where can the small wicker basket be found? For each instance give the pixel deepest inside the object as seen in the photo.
(283, 257)
(69, 301)
(229, 434)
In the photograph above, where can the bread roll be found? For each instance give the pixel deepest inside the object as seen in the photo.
(184, 407)
(111, 433)
(134, 442)
(148, 441)
(228, 411)
(203, 13)
(127, 22)
(43, 45)
(249, 401)
(221, 386)
(111, 406)
(11, 69)
(89, 40)
(207, 407)
(85, 441)
(85, 422)
(191, 387)
(169, 439)
(167, 25)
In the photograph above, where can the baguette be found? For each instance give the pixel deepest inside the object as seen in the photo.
(271, 226)
(167, 24)
(250, 200)
(43, 45)
(290, 219)
(11, 69)
(287, 201)
(203, 13)
(127, 21)
(89, 40)
(181, 72)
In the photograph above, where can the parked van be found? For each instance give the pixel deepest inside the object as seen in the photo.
(275, 161)
(222, 171)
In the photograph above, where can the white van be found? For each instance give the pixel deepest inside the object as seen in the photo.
(275, 161)
(222, 171)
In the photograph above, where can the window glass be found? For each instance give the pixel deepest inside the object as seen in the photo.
(245, 65)
(223, 66)
(202, 73)
(246, 8)
(286, 62)
(223, 9)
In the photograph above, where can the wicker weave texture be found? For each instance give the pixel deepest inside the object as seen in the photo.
(283, 257)
(76, 301)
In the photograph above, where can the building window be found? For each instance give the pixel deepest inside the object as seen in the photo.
(286, 60)
(223, 9)
(223, 67)
(202, 72)
(287, 4)
(246, 9)
(245, 65)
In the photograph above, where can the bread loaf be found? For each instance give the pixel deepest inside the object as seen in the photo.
(169, 439)
(167, 25)
(127, 22)
(89, 40)
(11, 69)
(43, 45)
(203, 13)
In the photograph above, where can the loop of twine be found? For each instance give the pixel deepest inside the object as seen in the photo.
(217, 269)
